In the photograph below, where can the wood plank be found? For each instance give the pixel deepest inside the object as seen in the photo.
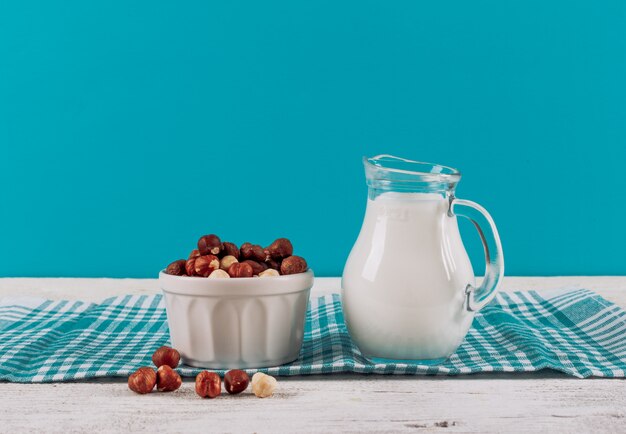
(346, 403)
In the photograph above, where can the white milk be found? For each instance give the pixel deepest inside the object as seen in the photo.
(404, 282)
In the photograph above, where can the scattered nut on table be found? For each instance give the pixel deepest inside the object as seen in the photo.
(263, 385)
(208, 384)
(167, 379)
(236, 381)
(166, 356)
(142, 380)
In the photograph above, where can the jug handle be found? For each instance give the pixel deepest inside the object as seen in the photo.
(477, 298)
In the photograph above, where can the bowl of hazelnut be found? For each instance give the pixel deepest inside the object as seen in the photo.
(237, 307)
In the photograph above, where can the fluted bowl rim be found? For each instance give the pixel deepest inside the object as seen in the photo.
(250, 286)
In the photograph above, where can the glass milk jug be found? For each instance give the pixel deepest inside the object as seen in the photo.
(408, 286)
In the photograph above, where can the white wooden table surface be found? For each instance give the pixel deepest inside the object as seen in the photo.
(544, 401)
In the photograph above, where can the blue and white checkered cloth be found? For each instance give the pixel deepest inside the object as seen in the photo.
(576, 332)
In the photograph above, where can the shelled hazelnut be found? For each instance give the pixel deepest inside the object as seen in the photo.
(219, 274)
(263, 385)
(206, 264)
(271, 263)
(231, 249)
(280, 248)
(236, 381)
(252, 251)
(190, 265)
(176, 268)
(208, 384)
(227, 261)
(166, 356)
(210, 245)
(257, 267)
(240, 269)
(142, 381)
(167, 379)
(270, 272)
(293, 265)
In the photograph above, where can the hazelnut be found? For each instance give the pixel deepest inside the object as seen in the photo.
(252, 251)
(257, 267)
(240, 269)
(231, 249)
(293, 265)
(271, 263)
(194, 254)
(176, 268)
(245, 250)
(206, 264)
(167, 379)
(142, 380)
(219, 274)
(209, 245)
(270, 272)
(280, 248)
(227, 261)
(263, 385)
(208, 384)
(236, 381)
(166, 356)
(190, 266)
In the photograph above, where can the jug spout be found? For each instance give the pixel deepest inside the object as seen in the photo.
(387, 173)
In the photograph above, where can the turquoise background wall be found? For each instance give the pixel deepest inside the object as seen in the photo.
(128, 129)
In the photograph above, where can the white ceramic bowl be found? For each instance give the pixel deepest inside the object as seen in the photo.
(236, 323)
